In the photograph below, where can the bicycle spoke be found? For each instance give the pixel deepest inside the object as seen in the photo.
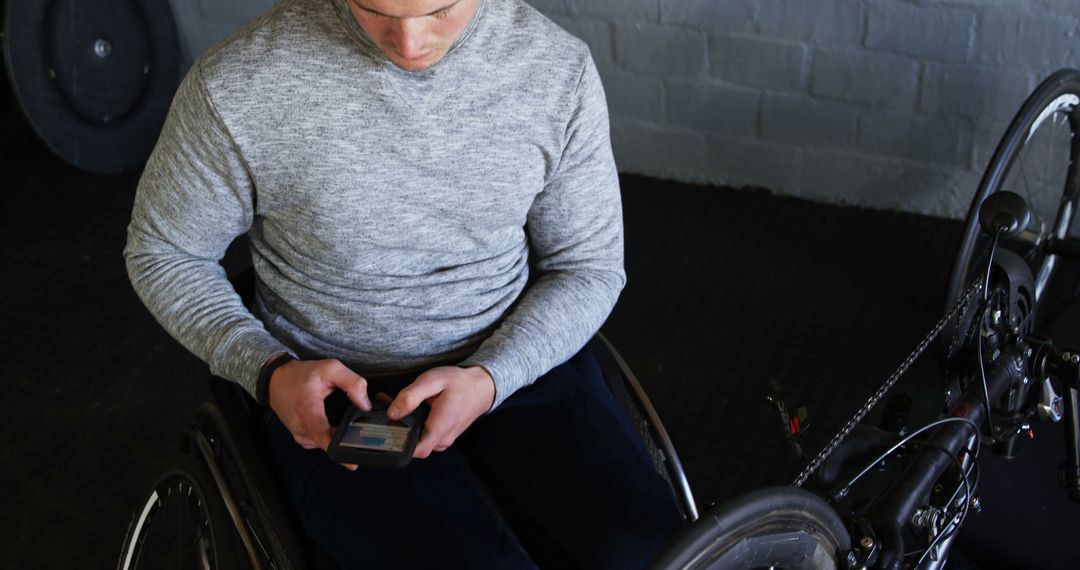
(1024, 179)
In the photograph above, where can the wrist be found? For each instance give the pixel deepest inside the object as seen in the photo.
(262, 387)
(486, 384)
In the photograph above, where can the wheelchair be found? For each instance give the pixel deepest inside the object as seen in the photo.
(221, 504)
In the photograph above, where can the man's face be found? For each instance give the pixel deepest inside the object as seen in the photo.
(414, 34)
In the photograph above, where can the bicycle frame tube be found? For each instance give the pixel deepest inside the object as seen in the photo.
(894, 509)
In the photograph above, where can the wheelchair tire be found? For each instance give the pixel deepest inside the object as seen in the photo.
(181, 524)
(1051, 114)
(779, 527)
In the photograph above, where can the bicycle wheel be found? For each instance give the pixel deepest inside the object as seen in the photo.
(779, 527)
(182, 524)
(1037, 159)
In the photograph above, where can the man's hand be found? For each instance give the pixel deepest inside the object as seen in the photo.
(457, 397)
(297, 391)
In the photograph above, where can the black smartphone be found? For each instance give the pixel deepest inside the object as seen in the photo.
(372, 439)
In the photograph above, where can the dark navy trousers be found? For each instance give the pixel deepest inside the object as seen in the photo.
(556, 477)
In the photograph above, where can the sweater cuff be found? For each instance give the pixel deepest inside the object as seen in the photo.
(262, 387)
(506, 373)
(242, 358)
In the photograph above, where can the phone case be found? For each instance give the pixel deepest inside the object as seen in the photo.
(370, 457)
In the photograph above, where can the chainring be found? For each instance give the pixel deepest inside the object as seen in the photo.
(1007, 311)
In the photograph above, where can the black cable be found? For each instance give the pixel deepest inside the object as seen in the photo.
(974, 468)
(990, 264)
(905, 440)
(979, 337)
(953, 523)
(958, 524)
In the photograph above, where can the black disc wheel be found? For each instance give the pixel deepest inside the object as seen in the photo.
(1037, 160)
(181, 525)
(780, 528)
(93, 78)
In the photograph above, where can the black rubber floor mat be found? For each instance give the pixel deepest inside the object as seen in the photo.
(733, 292)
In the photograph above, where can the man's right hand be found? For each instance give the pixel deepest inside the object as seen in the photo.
(297, 391)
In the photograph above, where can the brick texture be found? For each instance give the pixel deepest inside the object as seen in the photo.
(734, 162)
(818, 22)
(908, 135)
(929, 31)
(660, 50)
(633, 96)
(203, 23)
(596, 33)
(976, 93)
(794, 120)
(720, 16)
(707, 106)
(619, 10)
(637, 144)
(759, 62)
(1009, 38)
(859, 76)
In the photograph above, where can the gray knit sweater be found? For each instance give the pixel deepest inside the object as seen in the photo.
(467, 214)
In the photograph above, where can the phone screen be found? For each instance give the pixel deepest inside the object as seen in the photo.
(376, 432)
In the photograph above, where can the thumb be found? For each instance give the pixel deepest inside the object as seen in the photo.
(354, 386)
(410, 397)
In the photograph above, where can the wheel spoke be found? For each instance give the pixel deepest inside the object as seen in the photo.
(1024, 179)
(177, 531)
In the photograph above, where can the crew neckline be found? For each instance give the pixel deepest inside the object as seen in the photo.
(357, 33)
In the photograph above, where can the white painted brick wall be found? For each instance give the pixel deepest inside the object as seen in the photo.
(880, 103)
(864, 77)
(707, 106)
(944, 32)
(656, 49)
(203, 23)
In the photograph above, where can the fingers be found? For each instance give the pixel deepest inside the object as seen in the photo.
(384, 398)
(305, 442)
(315, 425)
(438, 433)
(408, 399)
(354, 386)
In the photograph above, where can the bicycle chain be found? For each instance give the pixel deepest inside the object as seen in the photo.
(813, 466)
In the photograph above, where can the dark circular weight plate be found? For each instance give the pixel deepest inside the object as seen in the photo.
(94, 78)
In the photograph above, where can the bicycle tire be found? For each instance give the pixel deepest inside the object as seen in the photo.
(1058, 95)
(181, 524)
(777, 527)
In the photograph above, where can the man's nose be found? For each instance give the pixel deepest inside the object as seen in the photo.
(411, 35)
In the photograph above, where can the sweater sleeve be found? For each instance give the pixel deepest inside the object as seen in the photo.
(195, 196)
(576, 240)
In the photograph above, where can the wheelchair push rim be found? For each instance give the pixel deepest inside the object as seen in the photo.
(181, 521)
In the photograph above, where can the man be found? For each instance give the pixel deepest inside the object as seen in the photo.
(429, 190)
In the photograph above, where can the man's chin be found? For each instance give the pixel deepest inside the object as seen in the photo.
(418, 64)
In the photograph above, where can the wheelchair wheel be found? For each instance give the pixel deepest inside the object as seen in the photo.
(779, 527)
(180, 525)
(1037, 159)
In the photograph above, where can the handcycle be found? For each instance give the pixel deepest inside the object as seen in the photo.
(889, 497)
(875, 497)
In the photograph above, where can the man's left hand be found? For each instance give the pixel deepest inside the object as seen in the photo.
(457, 396)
